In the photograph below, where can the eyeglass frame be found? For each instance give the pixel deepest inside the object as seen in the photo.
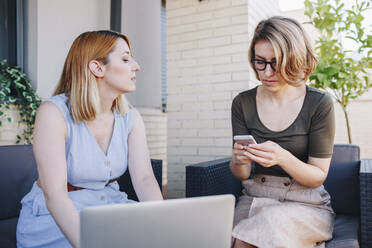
(266, 63)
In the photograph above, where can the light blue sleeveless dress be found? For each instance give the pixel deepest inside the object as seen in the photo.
(87, 167)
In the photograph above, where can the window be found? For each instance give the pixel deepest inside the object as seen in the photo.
(8, 31)
(163, 58)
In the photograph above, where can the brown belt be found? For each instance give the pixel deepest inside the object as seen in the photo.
(73, 188)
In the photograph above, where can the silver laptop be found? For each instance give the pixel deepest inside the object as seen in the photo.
(200, 222)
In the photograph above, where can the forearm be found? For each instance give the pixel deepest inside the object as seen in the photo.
(148, 189)
(304, 173)
(240, 171)
(66, 216)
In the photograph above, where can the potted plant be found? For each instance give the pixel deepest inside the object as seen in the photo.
(343, 73)
(16, 90)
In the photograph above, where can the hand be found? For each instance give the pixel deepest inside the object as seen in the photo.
(240, 155)
(267, 153)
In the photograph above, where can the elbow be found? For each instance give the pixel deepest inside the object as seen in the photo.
(54, 196)
(145, 180)
(317, 183)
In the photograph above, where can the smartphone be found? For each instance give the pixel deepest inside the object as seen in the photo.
(245, 140)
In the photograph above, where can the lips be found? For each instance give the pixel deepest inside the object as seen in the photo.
(269, 82)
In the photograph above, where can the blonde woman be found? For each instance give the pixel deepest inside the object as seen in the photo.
(284, 204)
(86, 136)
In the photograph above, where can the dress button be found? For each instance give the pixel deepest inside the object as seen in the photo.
(263, 179)
(102, 198)
(108, 163)
(287, 183)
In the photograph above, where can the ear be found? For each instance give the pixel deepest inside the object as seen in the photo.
(97, 68)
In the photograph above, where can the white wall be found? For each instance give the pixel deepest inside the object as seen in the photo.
(51, 26)
(141, 22)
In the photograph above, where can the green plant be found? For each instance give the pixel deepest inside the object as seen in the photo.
(344, 73)
(16, 89)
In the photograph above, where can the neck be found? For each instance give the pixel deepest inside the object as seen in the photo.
(285, 94)
(106, 99)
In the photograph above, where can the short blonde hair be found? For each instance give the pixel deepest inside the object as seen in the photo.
(79, 83)
(295, 58)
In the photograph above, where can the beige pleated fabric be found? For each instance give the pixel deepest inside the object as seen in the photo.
(276, 212)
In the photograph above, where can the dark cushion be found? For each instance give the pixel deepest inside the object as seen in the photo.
(345, 232)
(342, 184)
(18, 172)
(8, 232)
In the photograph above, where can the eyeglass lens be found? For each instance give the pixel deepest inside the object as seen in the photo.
(261, 64)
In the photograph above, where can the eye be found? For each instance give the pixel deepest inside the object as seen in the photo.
(125, 60)
(260, 62)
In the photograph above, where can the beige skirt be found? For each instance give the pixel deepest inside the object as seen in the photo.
(278, 212)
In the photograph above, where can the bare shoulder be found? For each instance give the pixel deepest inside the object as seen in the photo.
(49, 116)
(136, 113)
(48, 108)
(137, 117)
(138, 123)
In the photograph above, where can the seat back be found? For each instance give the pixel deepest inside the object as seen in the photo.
(342, 181)
(17, 174)
(18, 171)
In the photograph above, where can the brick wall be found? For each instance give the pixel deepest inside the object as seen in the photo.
(207, 45)
(156, 133)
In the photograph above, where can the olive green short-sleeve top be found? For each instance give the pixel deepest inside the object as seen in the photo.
(311, 134)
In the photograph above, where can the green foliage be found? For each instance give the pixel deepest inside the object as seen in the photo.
(16, 89)
(343, 73)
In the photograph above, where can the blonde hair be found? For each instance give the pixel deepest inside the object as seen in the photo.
(295, 58)
(79, 83)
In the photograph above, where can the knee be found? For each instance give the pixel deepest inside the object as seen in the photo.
(240, 244)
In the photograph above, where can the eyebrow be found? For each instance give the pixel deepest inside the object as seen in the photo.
(126, 52)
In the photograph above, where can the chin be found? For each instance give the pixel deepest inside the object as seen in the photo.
(129, 89)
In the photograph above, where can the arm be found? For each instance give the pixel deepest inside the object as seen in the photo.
(311, 174)
(240, 164)
(320, 145)
(139, 163)
(49, 148)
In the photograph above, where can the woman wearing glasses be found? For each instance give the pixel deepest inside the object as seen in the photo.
(284, 203)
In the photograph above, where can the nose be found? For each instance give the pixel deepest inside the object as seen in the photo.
(135, 66)
(269, 71)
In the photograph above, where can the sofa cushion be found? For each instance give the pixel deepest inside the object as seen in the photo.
(8, 232)
(342, 184)
(17, 173)
(345, 232)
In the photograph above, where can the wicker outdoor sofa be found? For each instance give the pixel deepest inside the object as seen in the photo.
(17, 174)
(349, 183)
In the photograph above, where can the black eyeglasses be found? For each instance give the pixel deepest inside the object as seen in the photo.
(260, 64)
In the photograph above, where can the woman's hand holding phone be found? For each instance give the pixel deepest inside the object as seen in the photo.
(240, 153)
(268, 154)
(241, 164)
